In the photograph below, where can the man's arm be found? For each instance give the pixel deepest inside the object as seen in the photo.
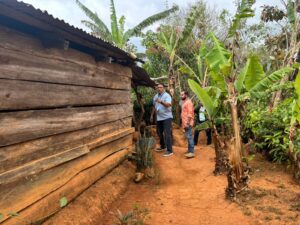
(166, 102)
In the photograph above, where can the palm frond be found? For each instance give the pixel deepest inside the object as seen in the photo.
(94, 17)
(149, 21)
(96, 30)
(114, 24)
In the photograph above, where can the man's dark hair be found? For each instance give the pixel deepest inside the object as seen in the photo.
(160, 84)
(186, 93)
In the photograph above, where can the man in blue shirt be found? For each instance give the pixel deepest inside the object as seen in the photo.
(162, 103)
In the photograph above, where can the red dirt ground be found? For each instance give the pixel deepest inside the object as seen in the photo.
(186, 193)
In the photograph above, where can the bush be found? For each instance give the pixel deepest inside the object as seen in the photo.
(269, 130)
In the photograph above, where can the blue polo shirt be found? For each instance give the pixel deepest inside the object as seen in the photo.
(162, 112)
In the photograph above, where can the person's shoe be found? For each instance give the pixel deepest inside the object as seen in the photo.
(166, 154)
(190, 155)
(160, 149)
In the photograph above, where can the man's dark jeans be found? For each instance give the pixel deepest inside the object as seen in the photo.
(208, 136)
(164, 131)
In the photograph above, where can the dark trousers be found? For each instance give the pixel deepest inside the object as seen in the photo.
(208, 136)
(164, 132)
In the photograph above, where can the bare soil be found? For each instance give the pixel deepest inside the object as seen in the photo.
(185, 192)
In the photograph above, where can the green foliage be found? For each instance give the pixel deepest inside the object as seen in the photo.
(136, 216)
(136, 31)
(270, 80)
(291, 13)
(203, 96)
(116, 34)
(269, 130)
(203, 126)
(218, 55)
(1, 216)
(244, 11)
(254, 72)
(144, 152)
(63, 202)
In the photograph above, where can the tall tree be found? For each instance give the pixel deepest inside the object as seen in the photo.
(117, 34)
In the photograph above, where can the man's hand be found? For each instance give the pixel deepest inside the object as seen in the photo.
(158, 100)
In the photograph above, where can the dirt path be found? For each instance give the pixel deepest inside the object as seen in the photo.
(186, 193)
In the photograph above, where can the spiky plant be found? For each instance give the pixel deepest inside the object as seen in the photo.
(117, 33)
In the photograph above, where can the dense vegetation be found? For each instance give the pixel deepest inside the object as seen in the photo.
(245, 73)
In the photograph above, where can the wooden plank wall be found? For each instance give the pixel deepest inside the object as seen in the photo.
(65, 121)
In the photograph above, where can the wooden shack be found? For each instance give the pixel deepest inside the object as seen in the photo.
(65, 111)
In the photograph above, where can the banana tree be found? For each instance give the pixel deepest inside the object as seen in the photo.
(209, 97)
(117, 33)
(238, 83)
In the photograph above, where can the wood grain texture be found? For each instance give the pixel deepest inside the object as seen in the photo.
(22, 126)
(25, 95)
(16, 155)
(29, 192)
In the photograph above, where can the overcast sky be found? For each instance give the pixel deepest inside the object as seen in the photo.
(134, 10)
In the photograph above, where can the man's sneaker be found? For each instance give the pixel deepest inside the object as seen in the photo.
(166, 154)
(160, 149)
(190, 155)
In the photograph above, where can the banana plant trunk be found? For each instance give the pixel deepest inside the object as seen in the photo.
(221, 165)
(236, 177)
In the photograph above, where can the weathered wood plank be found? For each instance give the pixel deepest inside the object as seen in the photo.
(26, 193)
(49, 204)
(18, 154)
(37, 166)
(40, 165)
(102, 79)
(22, 95)
(22, 126)
(22, 49)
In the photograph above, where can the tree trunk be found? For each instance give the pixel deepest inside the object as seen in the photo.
(236, 176)
(221, 165)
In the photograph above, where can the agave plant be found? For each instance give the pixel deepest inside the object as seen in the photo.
(117, 33)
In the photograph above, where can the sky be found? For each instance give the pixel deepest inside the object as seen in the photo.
(134, 10)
